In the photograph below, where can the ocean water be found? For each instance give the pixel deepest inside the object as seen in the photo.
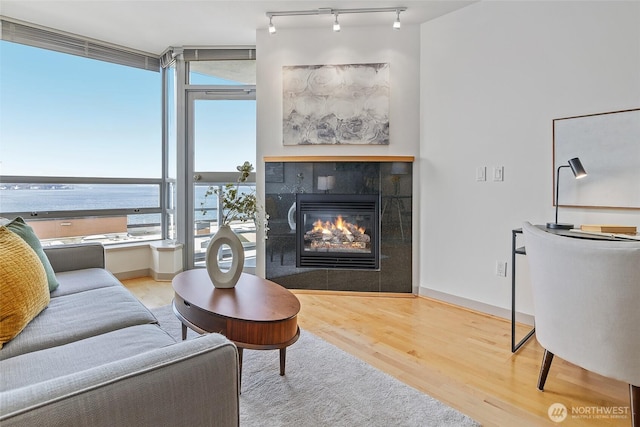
(98, 196)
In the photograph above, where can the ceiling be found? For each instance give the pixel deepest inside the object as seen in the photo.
(151, 26)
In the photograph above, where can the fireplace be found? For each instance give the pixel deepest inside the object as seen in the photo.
(338, 231)
(357, 270)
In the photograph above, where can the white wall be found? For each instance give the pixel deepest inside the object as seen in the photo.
(493, 76)
(159, 259)
(352, 45)
(130, 261)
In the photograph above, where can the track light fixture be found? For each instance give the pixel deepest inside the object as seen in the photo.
(272, 28)
(396, 23)
(335, 13)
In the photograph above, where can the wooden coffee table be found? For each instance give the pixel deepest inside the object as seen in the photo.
(256, 314)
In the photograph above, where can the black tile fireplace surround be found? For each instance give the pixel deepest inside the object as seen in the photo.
(388, 182)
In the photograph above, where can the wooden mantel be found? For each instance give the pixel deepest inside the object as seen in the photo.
(339, 159)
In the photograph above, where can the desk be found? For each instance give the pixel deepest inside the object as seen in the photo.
(515, 250)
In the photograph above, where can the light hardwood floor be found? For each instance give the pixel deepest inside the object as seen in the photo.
(455, 355)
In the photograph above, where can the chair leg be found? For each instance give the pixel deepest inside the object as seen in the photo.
(544, 369)
(634, 394)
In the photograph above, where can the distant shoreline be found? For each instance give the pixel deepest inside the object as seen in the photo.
(37, 187)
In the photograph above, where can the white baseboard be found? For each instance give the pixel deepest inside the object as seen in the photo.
(527, 319)
(124, 275)
(163, 277)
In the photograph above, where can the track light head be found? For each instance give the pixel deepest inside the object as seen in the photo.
(272, 28)
(396, 23)
(336, 24)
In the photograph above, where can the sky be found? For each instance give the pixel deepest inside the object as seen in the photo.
(63, 115)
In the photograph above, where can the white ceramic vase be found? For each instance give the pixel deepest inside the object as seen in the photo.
(225, 279)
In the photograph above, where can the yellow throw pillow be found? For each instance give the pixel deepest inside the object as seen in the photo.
(24, 290)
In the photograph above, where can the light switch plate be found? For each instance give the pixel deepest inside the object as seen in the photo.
(481, 173)
(501, 268)
(498, 173)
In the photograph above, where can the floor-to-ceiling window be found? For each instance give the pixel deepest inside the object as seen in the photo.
(213, 92)
(97, 144)
(80, 140)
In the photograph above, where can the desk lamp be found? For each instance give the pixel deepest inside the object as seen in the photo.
(578, 172)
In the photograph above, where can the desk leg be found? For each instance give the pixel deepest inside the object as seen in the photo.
(515, 346)
(283, 359)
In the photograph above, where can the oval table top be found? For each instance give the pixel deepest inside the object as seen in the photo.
(252, 299)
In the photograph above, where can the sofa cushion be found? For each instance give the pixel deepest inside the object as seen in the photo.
(23, 230)
(38, 366)
(75, 256)
(78, 316)
(24, 291)
(190, 383)
(75, 281)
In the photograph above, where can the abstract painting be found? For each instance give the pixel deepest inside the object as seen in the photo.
(336, 104)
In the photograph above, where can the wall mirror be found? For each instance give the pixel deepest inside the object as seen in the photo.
(608, 145)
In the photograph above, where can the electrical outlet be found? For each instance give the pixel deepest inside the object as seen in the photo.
(481, 173)
(501, 268)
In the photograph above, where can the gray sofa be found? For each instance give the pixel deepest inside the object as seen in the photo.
(97, 357)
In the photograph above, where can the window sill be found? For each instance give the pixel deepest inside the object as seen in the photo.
(160, 245)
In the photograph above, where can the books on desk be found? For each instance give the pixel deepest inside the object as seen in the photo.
(609, 228)
(624, 232)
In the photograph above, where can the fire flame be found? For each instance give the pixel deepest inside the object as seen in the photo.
(338, 224)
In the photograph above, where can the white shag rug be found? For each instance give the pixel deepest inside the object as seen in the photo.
(325, 386)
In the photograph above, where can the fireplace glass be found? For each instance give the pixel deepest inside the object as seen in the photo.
(337, 231)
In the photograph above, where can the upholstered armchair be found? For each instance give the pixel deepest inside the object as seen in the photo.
(586, 296)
